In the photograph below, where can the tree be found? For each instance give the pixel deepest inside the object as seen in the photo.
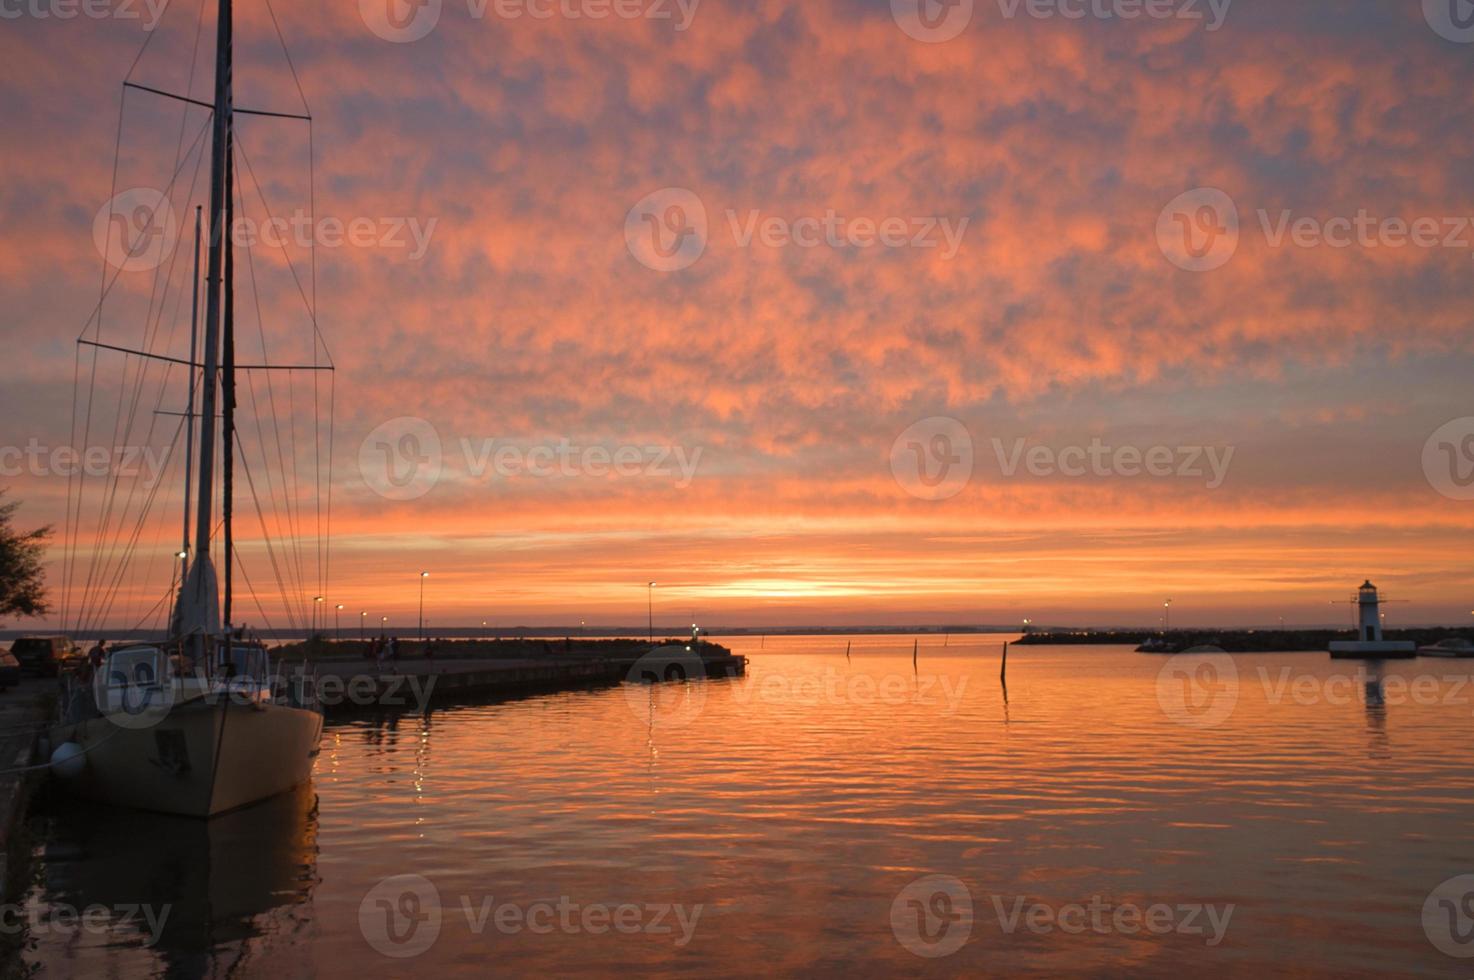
(22, 582)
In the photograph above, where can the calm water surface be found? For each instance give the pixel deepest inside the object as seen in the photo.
(778, 821)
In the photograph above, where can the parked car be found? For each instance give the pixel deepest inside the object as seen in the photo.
(45, 655)
(9, 670)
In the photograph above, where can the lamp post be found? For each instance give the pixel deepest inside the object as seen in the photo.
(362, 622)
(1167, 616)
(423, 576)
(650, 608)
(318, 621)
(383, 624)
(338, 622)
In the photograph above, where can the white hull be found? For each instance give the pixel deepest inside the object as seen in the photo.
(201, 760)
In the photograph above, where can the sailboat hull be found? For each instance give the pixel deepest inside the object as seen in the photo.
(202, 760)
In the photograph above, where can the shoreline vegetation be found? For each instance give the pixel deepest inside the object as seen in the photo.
(1234, 641)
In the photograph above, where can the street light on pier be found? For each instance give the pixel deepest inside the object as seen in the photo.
(650, 608)
(1167, 615)
(362, 622)
(423, 576)
(317, 619)
(338, 622)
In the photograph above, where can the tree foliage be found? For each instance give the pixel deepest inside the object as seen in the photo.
(22, 581)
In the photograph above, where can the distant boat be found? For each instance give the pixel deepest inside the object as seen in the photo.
(1454, 646)
(1370, 644)
(1159, 644)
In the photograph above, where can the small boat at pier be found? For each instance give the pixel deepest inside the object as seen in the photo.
(1454, 646)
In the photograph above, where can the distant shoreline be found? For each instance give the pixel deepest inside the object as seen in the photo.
(1235, 641)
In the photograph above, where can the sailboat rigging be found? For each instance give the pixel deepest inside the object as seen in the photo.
(201, 723)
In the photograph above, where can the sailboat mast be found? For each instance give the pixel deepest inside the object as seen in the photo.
(227, 382)
(219, 243)
(189, 412)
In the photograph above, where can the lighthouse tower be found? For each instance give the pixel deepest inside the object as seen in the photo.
(1369, 643)
(1369, 613)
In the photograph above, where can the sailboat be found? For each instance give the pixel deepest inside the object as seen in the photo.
(202, 723)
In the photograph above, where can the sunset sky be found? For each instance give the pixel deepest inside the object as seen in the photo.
(899, 228)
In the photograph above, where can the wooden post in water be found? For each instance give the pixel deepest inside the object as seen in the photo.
(915, 647)
(1003, 671)
(847, 649)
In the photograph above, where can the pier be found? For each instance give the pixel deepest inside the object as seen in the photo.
(492, 669)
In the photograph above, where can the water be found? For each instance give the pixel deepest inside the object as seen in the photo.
(789, 812)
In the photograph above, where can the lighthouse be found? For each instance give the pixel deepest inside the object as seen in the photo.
(1369, 643)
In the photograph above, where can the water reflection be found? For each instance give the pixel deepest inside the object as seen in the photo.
(183, 897)
(1375, 699)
